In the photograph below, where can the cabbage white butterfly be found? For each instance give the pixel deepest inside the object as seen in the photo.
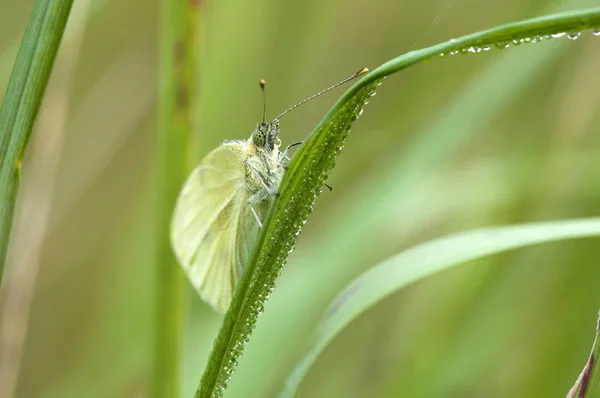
(222, 204)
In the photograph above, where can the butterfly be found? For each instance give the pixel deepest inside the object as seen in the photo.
(222, 204)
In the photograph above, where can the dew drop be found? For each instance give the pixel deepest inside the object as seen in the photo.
(453, 52)
(516, 42)
(573, 35)
(557, 35)
(596, 32)
(486, 48)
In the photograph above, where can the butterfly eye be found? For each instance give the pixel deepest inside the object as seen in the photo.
(258, 138)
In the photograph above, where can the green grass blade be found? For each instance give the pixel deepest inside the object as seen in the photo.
(588, 382)
(308, 170)
(302, 184)
(22, 101)
(421, 261)
(178, 121)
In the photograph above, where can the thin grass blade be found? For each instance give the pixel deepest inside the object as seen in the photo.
(424, 260)
(22, 101)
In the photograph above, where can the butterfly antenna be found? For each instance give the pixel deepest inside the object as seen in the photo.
(354, 76)
(263, 83)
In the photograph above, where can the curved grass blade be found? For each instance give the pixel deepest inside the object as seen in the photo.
(302, 184)
(308, 171)
(588, 382)
(424, 260)
(22, 101)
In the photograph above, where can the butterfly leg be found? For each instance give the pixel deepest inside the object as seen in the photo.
(278, 163)
(255, 215)
(257, 197)
(285, 156)
(259, 177)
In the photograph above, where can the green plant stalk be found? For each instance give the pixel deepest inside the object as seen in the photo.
(588, 382)
(22, 101)
(303, 181)
(178, 121)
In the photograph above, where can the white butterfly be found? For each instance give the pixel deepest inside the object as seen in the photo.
(221, 207)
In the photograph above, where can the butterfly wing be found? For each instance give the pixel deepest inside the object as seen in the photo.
(213, 230)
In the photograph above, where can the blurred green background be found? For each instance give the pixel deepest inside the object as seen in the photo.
(498, 138)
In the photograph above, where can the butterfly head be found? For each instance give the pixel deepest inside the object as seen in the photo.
(266, 136)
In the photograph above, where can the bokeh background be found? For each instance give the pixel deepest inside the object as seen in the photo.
(502, 137)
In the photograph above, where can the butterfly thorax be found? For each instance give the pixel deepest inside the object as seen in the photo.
(264, 161)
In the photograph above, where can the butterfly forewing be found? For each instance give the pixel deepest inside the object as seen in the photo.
(213, 230)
